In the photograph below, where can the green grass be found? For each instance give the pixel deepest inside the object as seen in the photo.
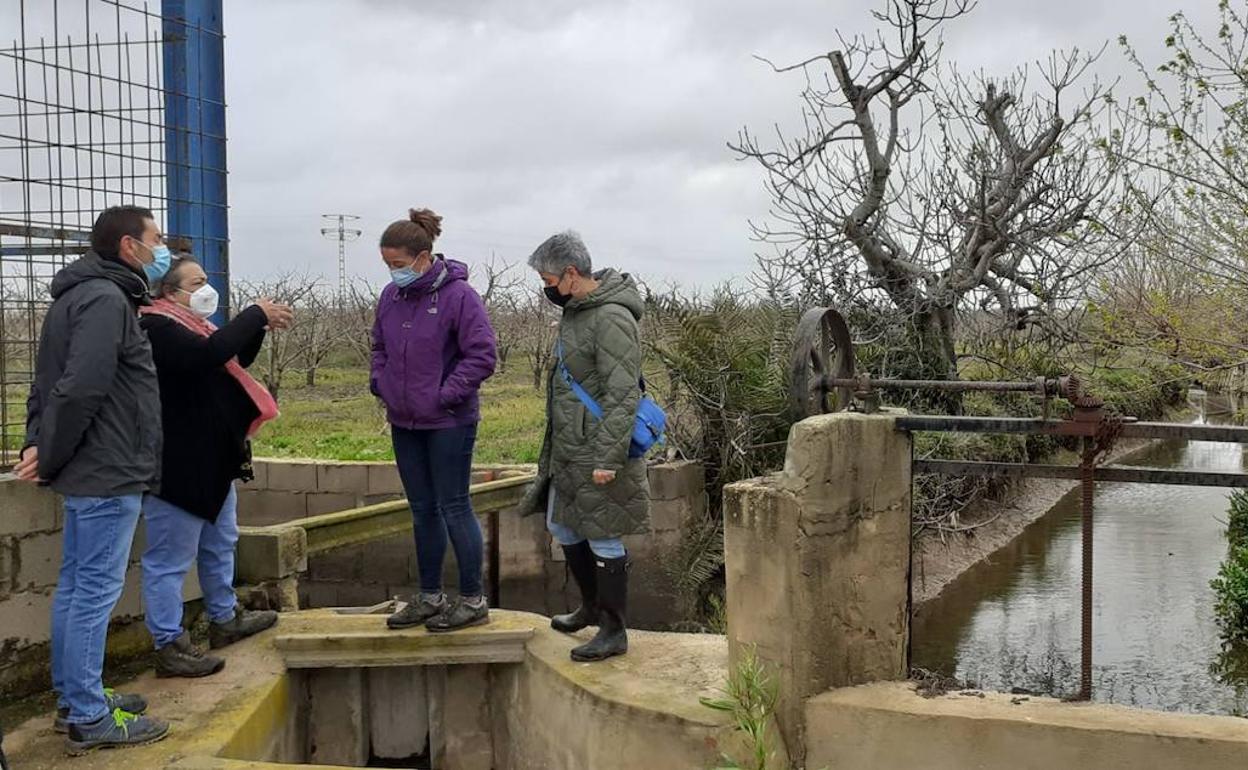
(339, 420)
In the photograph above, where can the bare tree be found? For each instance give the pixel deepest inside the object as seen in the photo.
(502, 301)
(913, 200)
(283, 349)
(1195, 109)
(359, 309)
(533, 326)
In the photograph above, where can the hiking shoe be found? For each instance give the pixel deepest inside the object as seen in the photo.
(132, 704)
(415, 613)
(119, 729)
(181, 658)
(245, 623)
(462, 614)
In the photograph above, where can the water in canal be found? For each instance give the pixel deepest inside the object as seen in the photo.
(1013, 622)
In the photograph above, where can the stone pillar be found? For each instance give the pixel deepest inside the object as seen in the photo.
(818, 562)
(338, 731)
(461, 733)
(398, 711)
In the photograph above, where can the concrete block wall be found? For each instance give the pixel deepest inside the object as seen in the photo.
(31, 532)
(284, 490)
(531, 565)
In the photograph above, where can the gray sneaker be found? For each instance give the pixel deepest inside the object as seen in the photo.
(133, 704)
(417, 612)
(181, 658)
(244, 624)
(462, 614)
(120, 729)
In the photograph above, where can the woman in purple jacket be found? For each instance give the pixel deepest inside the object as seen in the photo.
(432, 348)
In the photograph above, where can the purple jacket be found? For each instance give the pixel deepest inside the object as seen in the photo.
(433, 346)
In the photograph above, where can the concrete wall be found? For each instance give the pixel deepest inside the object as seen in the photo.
(890, 727)
(818, 562)
(31, 522)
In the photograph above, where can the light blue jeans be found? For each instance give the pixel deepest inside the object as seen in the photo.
(606, 548)
(175, 539)
(96, 550)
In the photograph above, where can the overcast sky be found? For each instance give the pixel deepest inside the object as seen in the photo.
(517, 118)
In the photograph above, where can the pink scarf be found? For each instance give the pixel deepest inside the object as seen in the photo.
(260, 395)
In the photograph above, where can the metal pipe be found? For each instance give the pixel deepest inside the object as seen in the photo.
(1088, 490)
(1160, 430)
(1118, 473)
(955, 385)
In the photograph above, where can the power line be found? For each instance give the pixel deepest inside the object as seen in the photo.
(342, 234)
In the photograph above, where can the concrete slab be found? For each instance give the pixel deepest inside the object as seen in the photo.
(330, 640)
(890, 727)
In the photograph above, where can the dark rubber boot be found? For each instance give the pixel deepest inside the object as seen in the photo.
(182, 659)
(612, 637)
(244, 624)
(581, 564)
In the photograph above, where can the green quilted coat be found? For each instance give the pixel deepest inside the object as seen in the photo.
(602, 349)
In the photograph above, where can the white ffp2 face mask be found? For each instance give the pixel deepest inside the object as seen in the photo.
(203, 300)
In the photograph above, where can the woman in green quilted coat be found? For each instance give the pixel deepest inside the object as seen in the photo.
(591, 491)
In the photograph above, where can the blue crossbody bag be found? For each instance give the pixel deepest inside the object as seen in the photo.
(650, 424)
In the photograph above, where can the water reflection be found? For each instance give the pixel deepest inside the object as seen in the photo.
(1014, 622)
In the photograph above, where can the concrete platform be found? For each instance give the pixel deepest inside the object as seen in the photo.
(323, 639)
(644, 704)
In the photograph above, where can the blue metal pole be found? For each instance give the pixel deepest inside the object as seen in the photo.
(195, 170)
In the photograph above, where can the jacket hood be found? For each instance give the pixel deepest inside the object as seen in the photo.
(614, 288)
(93, 267)
(442, 272)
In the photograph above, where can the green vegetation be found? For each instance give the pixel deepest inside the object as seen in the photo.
(750, 697)
(338, 419)
(1230, 587)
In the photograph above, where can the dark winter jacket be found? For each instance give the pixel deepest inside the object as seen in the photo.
(205, 410)
(602, 349)
(94, 408)
(433, 346)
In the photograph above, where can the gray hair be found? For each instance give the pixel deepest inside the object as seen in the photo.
(561, 251)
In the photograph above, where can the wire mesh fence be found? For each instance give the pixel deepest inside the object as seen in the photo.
(85, 123)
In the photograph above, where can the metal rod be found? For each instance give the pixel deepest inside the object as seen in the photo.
(1161, 430)
(495, 562)
(958, 385)
(1088, 490)
(1118, 473)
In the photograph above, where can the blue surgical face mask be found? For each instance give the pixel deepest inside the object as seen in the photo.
(404, 276)
(162, 258)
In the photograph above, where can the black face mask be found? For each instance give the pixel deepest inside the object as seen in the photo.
(553, 294)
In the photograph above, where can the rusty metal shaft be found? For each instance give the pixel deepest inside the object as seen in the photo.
(1088, 490)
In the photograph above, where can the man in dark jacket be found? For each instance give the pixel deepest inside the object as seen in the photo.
(93, 435)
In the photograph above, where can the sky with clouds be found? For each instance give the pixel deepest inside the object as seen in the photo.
(517, 118)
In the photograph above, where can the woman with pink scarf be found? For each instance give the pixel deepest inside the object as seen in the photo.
(210, 407)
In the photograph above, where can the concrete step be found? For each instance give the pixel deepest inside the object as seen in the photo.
(332, 640)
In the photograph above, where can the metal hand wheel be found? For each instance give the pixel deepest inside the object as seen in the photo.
(822, 349)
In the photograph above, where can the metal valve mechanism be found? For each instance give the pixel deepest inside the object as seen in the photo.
(824, 380)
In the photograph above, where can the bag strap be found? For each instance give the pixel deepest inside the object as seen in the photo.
(581, 393)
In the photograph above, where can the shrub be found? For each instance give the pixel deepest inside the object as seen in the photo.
(1230, 607)
(1237, 520)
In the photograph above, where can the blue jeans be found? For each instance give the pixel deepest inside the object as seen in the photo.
(176, 538)
(436, 469)
(606, 548)
(97, 538)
